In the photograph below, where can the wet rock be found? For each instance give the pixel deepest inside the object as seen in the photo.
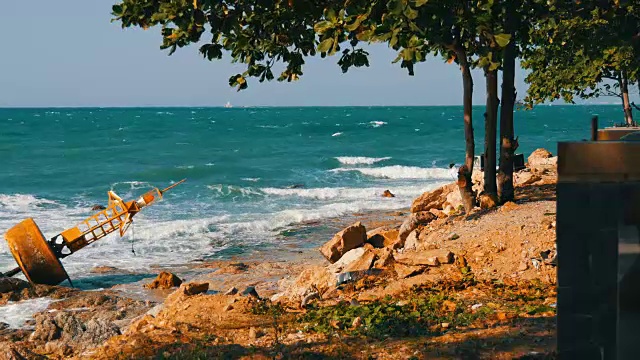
(382, 237)
(363, 263)
(8, 284)
(71, 329)
(231, 291)
(541, 160)
(488, 201)
(190, 289)
(250, 291)
(387, 194)
(235, 268)
(105, 270)
(12, 351)
(98, 207)
(350, 238)
(434, 199)
(165, 280)
(404, 271)
(414, 220)
(425, 257)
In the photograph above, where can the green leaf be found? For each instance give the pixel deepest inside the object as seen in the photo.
(330, 14)
(502, 39)
(325, 45)
(420, 2)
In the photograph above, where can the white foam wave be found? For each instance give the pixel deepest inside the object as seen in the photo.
(336, 134)
(23, 202)
(360, 160)
(376, 124)
(225, 190)
(401, 172)
(344, 193)
(16, 314)
(251, 179)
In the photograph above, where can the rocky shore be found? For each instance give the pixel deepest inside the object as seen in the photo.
(431, 282)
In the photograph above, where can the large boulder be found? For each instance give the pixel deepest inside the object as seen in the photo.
(414, 220)
(346, 259)
(8, 284)
(363, 263)
(524, 178)
(382, 237)
(454, 199)
(541, 160)
(433, 199)
(427, 257)
(316, 278)
(350, 238)
(165, 280)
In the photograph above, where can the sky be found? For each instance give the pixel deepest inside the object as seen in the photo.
(68, 53)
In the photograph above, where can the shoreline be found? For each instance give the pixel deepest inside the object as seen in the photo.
(498, 246)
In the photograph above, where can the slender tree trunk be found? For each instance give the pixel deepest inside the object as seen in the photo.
(465, 172)
(490, 124)
(508, 145)
(624, 89)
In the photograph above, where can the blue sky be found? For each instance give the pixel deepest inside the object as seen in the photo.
(68, 53)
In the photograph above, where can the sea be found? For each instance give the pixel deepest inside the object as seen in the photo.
(259, 180)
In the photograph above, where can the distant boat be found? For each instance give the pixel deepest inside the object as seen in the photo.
(228, 105)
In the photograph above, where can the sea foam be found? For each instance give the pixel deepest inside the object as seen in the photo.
(401, 172)
(17, 313)
(360, 160)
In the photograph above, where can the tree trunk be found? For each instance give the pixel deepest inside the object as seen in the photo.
(508, 145)
(624, 89)
(465, 183)
(491, 120)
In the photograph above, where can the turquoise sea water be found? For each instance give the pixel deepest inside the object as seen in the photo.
(241, 165)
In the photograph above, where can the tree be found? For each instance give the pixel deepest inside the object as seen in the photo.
(580, 50)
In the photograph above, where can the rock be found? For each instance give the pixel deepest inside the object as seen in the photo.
(350, 238)
(347, 259)
(254, 333)
(541, 160)
(13, 351)
(105, 270)
(387, 194)
(154, 311)
(234, 268)
(411, 243)
(97, 207)
(307, 299)
(311, 279)
(454, 200)
(453, 236)
(250, 291)
(385, 259)
(190, 289)
(363, 263)
(229, 307)
(404, 271)
(433, 199)
(425, 257)
(508, 206)
(382, 237)
(438, 213)
(488, 201)
(414, 220)
(231, 291)
(69, 328)
(8, 284)
(548, 223)
(354, 302)
(524, 178)
(523, 266)
(165, 280)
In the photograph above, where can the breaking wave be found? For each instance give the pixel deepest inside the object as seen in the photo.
(360, 160)
(401, 172)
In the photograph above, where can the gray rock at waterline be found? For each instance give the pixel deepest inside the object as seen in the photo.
(154, 311)
(251, 291)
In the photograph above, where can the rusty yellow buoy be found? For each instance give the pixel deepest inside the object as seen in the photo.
(39, 259)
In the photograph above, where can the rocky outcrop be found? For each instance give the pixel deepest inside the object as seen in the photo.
(71, 329)
(434, 199)
(427, 257)
(12, 351)
(350, 238)
(362, 263)
(165, 280)
(191, 289)
(542, 160)
(382, 237)
(388, 194)
(404, 271)
(524, 178)
(316, 278)
(8, 284)
(414, 220)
